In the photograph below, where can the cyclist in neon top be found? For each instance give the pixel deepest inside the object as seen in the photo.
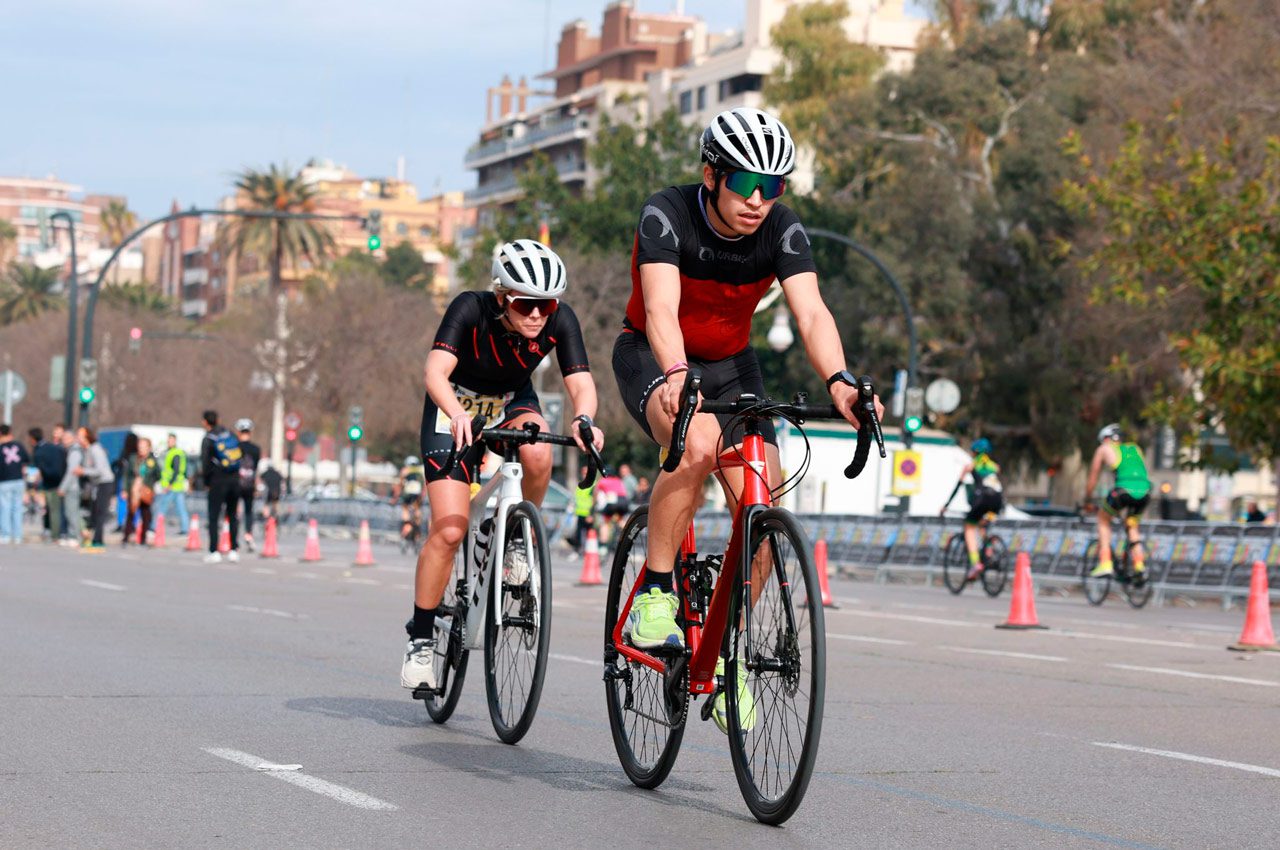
(986, 496)
(485, 351)
(1130, 495)
(704, 255)
(409, 487)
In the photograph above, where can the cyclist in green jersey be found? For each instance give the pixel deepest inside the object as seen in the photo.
(1129, 495)
(986, 496)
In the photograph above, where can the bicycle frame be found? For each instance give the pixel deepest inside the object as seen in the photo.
(704, 638)
(483, 591)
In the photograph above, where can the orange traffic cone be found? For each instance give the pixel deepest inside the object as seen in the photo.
(591, 560)
(820, 564)
(312, 550)
(1022, 607)
(142, 530)
(158, 540)
(193, 535)
(1257, 634)
(364, 548)
(224, 539)
(270, 546)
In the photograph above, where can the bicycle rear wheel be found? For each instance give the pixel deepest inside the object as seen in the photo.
(1095, 589)
(955, 563)
(775, 720)
(995, 565)
(1138, 589)
(515, 652)
(450, 654)
(647, 725)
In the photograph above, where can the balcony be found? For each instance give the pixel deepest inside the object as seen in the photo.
(507, 188)
(194, 308)
(548, 133)
(194, 276)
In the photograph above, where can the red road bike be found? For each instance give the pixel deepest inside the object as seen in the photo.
(758, 606)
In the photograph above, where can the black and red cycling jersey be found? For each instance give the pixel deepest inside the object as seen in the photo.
(494, 360)
(721, 279)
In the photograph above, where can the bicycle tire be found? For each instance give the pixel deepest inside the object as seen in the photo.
(955, 564)
(646, 749)
(786, 681)
(515, 661)
(451, 653)
(1135, 593)
(1095, 589)
(995, 565)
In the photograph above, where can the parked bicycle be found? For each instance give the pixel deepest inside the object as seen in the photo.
(757, 606)
(994, 561)
(510, 617)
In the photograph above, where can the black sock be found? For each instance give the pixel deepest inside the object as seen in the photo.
(423, 624)
(662, 581)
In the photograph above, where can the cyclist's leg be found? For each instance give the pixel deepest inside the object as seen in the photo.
(535, 459)
(450, 502)
(1105, 512)
(1133, 525)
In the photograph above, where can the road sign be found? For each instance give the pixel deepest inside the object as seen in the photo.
(307, 438)
(12, 387)
(58, 377)
(906, 472)
(914, 405)
(899, 393)
(89, 373)
(942, 395)
(292, 420)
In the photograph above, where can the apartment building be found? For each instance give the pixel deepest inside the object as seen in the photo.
(29, 204)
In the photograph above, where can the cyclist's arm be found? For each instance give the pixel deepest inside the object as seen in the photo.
(660, 283)
(959, 483)
(440, 366)
(821, 338)
(1095, 471)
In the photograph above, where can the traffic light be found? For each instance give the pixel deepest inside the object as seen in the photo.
(354, 433)
(374, 224)
(87, 395)
(291, 435)
(135, 340)
(355, 422)
(912, 424)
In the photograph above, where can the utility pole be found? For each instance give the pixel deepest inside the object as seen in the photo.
(73, 304)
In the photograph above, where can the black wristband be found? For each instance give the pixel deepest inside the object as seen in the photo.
(843, 375)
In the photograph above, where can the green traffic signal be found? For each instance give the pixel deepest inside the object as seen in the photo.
(375, 242)
(912, 424)
(87, 395)
(354, 433)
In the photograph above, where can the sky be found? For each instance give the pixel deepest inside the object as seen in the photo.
(163, 100)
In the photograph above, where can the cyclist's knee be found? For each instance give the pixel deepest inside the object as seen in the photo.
(536, 459)
(448, 531)
(700, 450)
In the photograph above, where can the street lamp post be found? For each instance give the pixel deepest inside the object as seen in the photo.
(73, 303)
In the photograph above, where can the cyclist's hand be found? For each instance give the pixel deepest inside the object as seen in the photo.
(460, 428)
(669, 394)
(597, 437)
(845, 397)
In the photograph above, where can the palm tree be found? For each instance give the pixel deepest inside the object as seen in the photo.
(118, 221)
(137, 296)
(276, 190)
(27, 291)
(8, 236)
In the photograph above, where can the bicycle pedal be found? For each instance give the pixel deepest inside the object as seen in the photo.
(427, 693)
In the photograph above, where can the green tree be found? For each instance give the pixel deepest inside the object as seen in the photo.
(404, 266)
(26, 291)
(1185, 229)
(8, 238)
(277, 189)
(118, 221)
(136, 297)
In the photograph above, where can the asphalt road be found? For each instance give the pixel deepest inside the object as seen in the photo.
(143, 690)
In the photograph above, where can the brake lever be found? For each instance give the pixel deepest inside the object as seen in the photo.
(868, 427)
(597, 462)
(684, 416)
(477, 426)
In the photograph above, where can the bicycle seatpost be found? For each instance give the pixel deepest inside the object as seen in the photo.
(868, 427)
(684, 417)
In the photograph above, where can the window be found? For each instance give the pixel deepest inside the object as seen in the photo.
(739, 84)
(424, 231)
(402, 229)
(686, 102)
(702, 98)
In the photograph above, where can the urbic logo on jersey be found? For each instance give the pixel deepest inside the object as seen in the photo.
(787, 243)
(663, 227)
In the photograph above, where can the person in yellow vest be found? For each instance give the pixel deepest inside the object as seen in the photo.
(584, 508)
(986, 496)
(1128, 497)
(171, 490)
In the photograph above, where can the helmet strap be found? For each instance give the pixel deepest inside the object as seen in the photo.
(718, 176)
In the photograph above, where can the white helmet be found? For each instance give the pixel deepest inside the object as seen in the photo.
(530, 268)
(244, 424)
(412, 460)
(748, 139)
(1109, 432)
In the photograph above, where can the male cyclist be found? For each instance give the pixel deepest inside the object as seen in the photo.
(485, 351)
(704, 256)
(986, 496)
(1129, 496)
(413, 479)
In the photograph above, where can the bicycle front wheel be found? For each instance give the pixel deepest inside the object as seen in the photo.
(778, 644)
(995, 565)
(515, 652)
(647, 719)
(1096, 588)
(450, 653)
(955, 564)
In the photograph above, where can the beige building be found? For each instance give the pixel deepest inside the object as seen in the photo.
(29, 203)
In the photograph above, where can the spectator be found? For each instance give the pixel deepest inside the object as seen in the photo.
(13, 462)
(250, 455)
(51, 461)
(642, 492)
(628, 481)
(273, 481)
(69, 490)
(143, 493)
(611, 504)
(584, 508)
(220, 469)
(96, 469)
(171, 489)
(1255, 513)
(125, 469)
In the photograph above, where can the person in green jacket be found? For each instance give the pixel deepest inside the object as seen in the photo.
(584, 507)
(171, 490)
(1128, 497)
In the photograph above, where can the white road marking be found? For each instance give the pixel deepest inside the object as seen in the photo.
(404, 587)
(307, 575)
(1088, 622)
(287, 773)
(270, 612)
(1176, 644)
(263, 571)
(1188, 674)
(575, 659)
(869, 639)
(913, 618)
(1172, 754)
(101, 585)
(363, 581)
(1027, 655)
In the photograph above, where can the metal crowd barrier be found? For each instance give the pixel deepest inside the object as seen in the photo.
(1185, 558)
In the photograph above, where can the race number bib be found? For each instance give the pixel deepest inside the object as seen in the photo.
(474, 404)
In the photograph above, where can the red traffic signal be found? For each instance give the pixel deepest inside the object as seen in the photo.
(135, 333)
(291, 434)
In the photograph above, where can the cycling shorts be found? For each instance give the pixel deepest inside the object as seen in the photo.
(638, 374)
(407, 499)
(1120, 502)
(436, 446)
(985, 501)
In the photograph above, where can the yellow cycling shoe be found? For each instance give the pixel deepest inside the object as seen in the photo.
(1102, 570)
